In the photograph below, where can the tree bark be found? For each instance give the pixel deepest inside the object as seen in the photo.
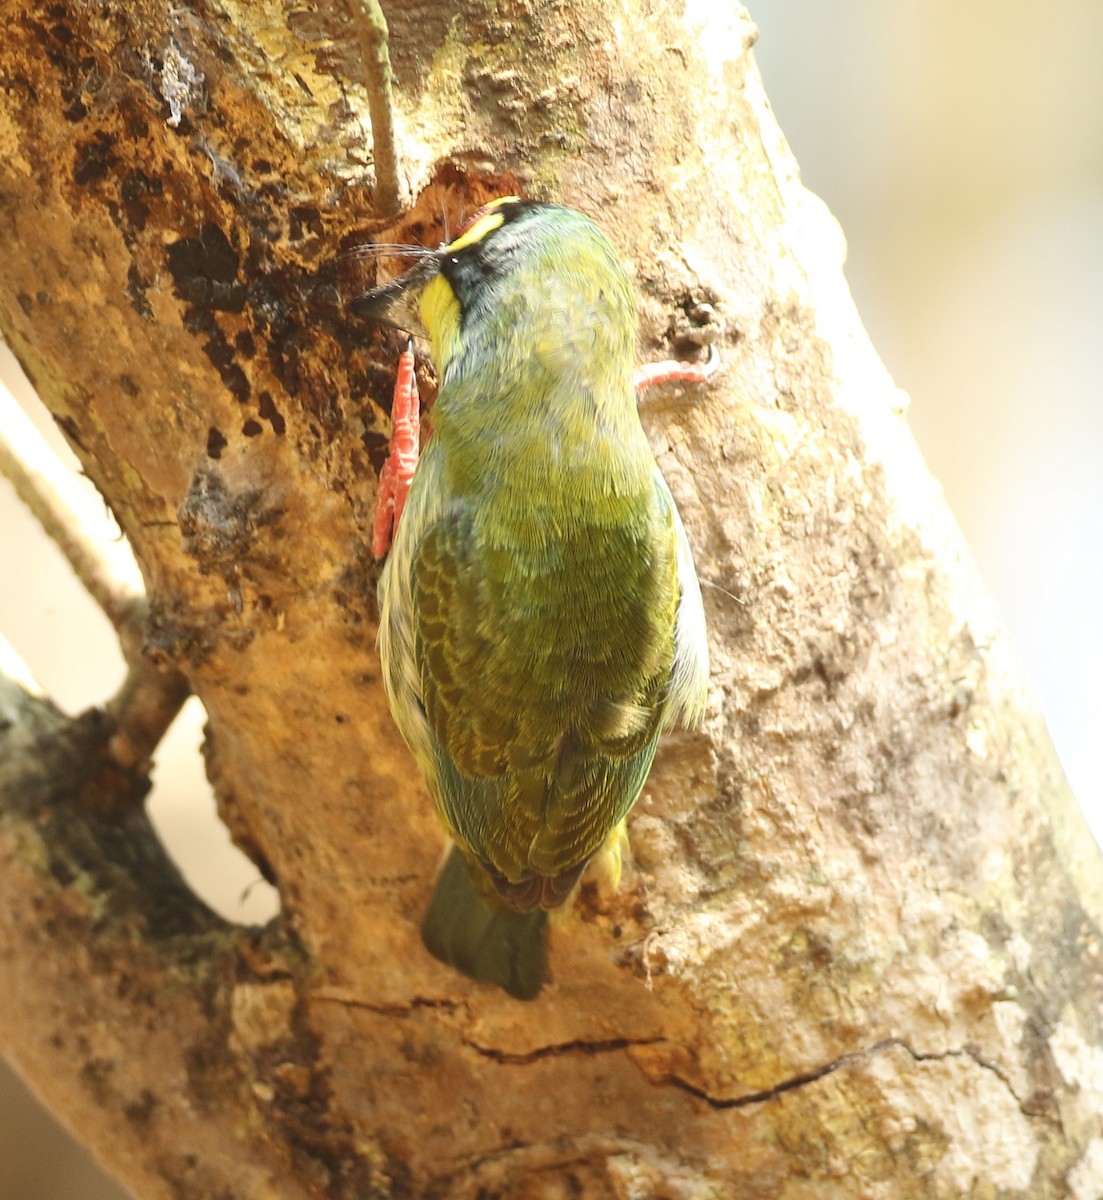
(858, 953)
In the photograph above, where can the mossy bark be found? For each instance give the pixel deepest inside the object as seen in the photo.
(858, 952)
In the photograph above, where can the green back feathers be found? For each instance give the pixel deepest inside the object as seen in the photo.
(543, 669)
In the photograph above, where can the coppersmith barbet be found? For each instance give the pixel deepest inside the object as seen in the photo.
(541, 620)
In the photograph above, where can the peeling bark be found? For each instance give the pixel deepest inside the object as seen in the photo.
(858, 954)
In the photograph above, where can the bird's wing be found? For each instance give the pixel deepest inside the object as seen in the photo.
(688, 692)
(543, 673)
(397, 634)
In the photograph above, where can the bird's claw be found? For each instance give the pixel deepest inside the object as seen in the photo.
(398, 470)
(672, 371)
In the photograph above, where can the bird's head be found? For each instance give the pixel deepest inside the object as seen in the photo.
(521, 278)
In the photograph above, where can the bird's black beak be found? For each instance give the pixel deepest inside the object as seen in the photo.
(396, 302)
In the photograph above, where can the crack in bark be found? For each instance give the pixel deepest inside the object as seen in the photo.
(580, 1046)
(787, 1085)
(844, 1060)
(534, 1154)
(972, 1052)
(386, 1009)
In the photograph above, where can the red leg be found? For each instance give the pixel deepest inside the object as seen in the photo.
(398, 470)
(671, 371)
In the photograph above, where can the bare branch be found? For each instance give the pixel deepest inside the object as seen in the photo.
(372, 34)
(143, 709)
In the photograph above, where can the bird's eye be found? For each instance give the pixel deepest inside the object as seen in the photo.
(454, 260)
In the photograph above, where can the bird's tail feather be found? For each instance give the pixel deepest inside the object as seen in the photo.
(479, 936)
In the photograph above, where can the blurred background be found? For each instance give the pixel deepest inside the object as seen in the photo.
(961, 148)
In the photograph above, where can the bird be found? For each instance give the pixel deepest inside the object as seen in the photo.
(541, 620)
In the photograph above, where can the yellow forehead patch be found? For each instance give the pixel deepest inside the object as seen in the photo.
(487, 223)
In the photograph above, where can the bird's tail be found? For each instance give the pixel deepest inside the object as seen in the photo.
(479, 936)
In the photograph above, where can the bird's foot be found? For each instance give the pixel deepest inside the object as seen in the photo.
(672, 371)
(398, 470)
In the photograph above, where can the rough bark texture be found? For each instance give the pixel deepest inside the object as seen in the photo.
(858, 954)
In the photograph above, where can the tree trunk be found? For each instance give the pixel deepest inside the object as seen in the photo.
(858, 952)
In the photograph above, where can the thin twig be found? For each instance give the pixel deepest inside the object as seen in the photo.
(372, 33)
(142, 710)
(74, 520)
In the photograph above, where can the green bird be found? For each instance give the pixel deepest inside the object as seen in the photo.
(541, 619)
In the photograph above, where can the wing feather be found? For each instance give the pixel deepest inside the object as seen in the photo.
(533, 675)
